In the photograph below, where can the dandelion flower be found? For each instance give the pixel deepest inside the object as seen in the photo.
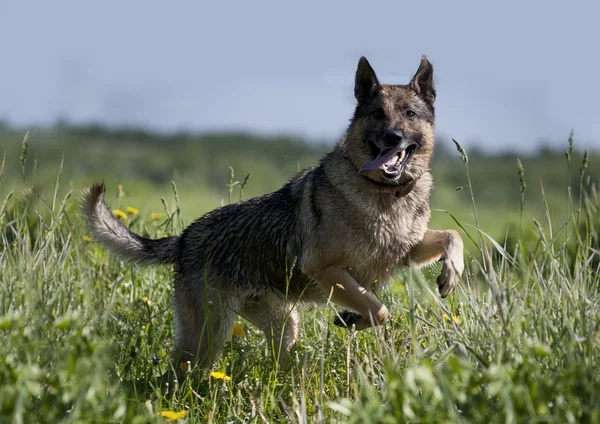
(155, 216)
(132, 211)
(144, 299)
(119, 213)
(238, 331)
(87, 238)
(147, 301)
(220, 376)
(172, 415)
(454, 318)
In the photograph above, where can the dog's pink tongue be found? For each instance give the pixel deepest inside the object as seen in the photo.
(378, 162)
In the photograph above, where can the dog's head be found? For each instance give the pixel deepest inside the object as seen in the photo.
(391, 136)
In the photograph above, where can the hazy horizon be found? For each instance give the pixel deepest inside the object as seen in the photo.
(509, 76)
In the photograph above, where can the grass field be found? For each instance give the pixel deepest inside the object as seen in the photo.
(86, 337)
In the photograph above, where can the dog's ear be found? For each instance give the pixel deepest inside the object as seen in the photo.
(422, 82)
(366, 83)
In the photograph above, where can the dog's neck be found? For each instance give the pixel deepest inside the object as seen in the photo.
(399, 190)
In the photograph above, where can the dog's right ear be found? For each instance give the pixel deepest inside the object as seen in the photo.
(422, 83)
(366, 83)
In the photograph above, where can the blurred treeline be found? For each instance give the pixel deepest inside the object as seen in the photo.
(145, 163)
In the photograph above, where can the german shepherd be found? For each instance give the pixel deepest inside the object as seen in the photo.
(328, 234)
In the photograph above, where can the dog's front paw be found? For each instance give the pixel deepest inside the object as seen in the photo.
(347, 319)
(452, 269)
(453, 265)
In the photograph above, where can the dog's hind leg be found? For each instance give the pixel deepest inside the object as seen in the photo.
(203, 321)
(278, 320)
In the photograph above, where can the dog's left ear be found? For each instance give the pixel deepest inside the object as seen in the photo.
(422, 82)
(366, 82)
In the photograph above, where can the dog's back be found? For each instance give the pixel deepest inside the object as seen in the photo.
(247, 246)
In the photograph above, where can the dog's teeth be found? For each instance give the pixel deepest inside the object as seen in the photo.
(402, 154)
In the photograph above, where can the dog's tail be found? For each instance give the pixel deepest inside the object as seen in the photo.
(107, 230)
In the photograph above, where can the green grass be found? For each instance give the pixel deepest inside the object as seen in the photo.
(86, 337)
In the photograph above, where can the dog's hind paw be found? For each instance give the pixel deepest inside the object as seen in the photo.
(347, 319)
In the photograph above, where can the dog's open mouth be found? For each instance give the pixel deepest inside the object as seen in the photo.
(391, 162)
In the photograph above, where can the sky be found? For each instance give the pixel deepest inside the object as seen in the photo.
(509, 74)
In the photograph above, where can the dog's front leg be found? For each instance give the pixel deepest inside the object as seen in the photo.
(336, 282)
(443, 245)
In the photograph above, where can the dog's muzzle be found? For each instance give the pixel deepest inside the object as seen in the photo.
(391, 161)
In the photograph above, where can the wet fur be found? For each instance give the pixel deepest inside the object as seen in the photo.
(327, 234)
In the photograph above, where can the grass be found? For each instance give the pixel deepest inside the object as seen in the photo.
(85, 337)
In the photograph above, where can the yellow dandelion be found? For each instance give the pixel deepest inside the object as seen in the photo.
(149, 303)
(119, 213)
(144, 299)
(155, 216)
(238, 331)
(220, 376)
(132, 211)
(87, 238)
(172, 415)
(454, 318)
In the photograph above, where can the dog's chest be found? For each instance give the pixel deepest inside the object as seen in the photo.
(376, 245)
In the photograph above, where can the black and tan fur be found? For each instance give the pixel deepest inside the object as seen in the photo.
(328, 234)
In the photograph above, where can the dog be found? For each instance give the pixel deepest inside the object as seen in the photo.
(327, 235)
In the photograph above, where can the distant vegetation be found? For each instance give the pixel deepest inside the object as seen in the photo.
(146, 163)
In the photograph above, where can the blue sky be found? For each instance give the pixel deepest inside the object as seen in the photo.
(511, 74)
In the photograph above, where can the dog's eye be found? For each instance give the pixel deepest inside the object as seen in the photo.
(378, 113)
(410, 114)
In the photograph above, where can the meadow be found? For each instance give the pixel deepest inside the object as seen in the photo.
(86, 337)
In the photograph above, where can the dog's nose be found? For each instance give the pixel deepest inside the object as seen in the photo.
(393, 137)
